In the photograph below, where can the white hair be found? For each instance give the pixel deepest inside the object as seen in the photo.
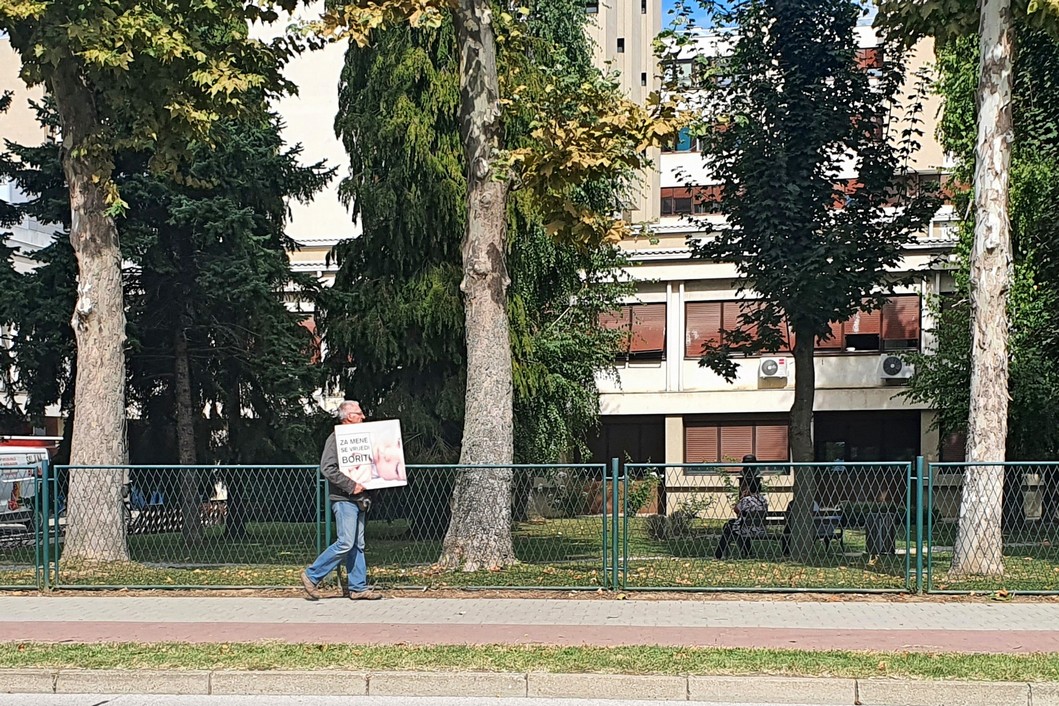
(345, 407)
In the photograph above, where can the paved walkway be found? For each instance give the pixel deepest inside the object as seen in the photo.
(963, 627)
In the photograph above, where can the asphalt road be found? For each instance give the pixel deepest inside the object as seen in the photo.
(157, 700)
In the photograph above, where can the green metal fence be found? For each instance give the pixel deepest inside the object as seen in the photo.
(992, 527)
(559, 529)
(259, 526)
(862, 527)
(738, 527)
(250, 526)
(22, 526)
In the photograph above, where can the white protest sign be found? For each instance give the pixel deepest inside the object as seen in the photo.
(372, 453)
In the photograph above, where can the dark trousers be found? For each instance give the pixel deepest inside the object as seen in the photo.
(727, 535)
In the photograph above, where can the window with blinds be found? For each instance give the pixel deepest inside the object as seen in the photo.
(901, 323)
(894, 327)
(685, 200)
(645, 329)
(726, 442)
(705, 321)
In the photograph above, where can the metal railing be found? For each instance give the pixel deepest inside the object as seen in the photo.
(992, 527)
(559, 529)
(769, 527)
(185, 526)
(260, 526)
(850, 527)
(23, 529)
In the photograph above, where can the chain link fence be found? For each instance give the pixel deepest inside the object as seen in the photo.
(185, 526)
(832, 527)
(799, 527)
(260, 526)
(22, 526)
(557, 529)
(993, 527)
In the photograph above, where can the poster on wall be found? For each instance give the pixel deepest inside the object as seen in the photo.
(372, 453)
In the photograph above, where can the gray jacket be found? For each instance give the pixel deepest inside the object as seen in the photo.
(339, 486)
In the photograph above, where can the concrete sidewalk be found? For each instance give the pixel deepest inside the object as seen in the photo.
(536, 686)
(1005, 628)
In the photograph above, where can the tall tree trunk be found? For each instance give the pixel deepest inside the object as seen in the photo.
(96, 529)
(979, 543)
(479, 535)
(800, 516)
(185, 433)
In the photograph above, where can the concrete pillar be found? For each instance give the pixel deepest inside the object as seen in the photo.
(929, 438)
(674, 440)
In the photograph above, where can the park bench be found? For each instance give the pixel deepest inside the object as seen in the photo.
(156, 519)
(159, 519)
(771, 526)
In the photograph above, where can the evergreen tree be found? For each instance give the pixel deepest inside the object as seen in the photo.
(10, 295)
(394, 322)
(125, 76)
(205, 283)
(37, 304)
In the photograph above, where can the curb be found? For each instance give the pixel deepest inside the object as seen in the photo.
(778, 690)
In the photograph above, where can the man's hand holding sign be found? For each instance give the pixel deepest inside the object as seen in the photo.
(371, 454)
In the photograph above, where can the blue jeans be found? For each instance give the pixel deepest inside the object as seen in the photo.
(349, 521)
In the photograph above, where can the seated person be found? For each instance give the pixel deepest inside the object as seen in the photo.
(752, 504)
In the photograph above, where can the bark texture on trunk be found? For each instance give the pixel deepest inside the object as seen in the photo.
(96, 529)
(979, 544)
(802, 448)
(479, 535)
(185, 432)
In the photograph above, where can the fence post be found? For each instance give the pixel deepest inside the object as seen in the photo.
(929, 540)
(919, 524)
(625, 533)
(319, 516)
(45, 522)
(614, 523)
(327, 524)
(55, 511)
(605, 473)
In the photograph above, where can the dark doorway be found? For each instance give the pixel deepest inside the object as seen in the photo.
(867, 436)
(630, 439)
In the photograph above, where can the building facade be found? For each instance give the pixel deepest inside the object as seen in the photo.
(623, 33)
(660, 405)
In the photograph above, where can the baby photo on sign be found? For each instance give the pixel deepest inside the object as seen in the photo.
(371, 453)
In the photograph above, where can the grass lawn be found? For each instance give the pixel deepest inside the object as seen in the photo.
(553, 553)
(625, 660)
(1031, 560)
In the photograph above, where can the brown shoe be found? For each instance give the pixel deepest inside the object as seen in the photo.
(368, 595)
(310, 588)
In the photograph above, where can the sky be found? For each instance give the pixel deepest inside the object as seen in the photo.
(700, 16)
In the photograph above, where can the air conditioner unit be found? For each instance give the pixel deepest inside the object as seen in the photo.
(772, 368)
(892, 367)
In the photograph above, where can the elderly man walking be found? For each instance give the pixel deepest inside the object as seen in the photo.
(349, 501)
